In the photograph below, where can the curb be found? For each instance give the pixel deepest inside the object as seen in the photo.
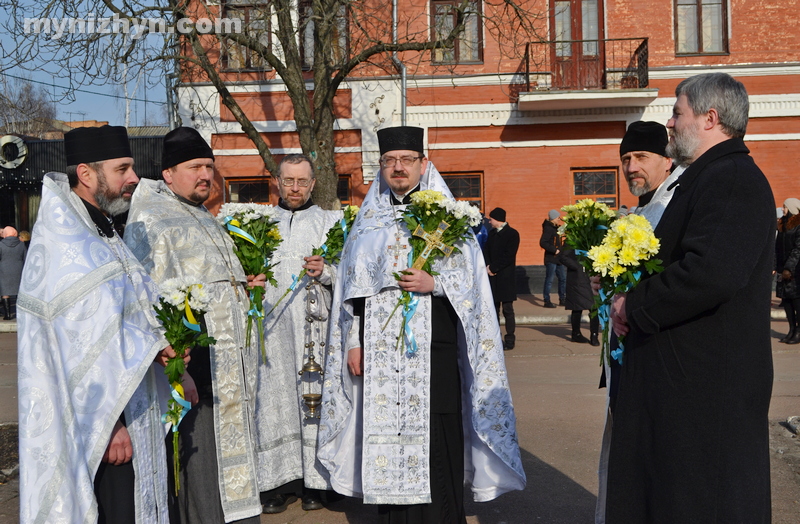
(7, 326)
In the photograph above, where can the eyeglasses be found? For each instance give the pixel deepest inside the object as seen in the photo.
(406, 161)
(289, 182)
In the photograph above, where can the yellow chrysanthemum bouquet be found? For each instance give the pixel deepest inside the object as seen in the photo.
(617, 249)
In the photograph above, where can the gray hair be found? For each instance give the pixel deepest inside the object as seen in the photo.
(721, 92)
(296, 158)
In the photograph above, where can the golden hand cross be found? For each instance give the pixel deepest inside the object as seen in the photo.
(432, 241)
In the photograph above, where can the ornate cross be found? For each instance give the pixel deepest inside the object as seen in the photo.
(432, 241)
(397, 249)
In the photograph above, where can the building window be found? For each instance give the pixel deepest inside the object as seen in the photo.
(469, 44)
(343, 192)
(338, 40)
(701, 26)
(248, 190)
(466, 186)
(598, 184)
(255, 19)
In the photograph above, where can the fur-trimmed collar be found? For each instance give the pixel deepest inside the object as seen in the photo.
(787, 225)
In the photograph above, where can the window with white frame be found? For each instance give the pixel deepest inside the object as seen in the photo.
(701, 27)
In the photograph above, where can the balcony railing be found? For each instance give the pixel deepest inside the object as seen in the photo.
(615, 63)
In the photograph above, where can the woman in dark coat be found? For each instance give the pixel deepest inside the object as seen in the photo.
(787, 266)
(579, 297)
(500, 254)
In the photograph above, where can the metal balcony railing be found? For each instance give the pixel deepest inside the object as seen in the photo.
(615, 63)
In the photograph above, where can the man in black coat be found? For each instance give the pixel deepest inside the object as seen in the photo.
(690, 427)
(500, 253)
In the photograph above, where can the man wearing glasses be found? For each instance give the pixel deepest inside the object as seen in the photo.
(397, 424)
(287, 449)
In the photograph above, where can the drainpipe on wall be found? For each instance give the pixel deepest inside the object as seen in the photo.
(401, 68)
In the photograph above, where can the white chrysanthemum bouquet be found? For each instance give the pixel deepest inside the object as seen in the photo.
(179, 309)
(255, 235)
(617, 250)
(437, 224)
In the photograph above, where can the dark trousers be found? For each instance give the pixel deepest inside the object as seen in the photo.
(508, 314)
(113, 489)
(559, 272)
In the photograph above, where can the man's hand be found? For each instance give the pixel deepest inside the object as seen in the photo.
(168, 353)
(786, 275)
(314, 265)
(189, 389)
(489, 270)
(257, 280)
(355, 361)
(416, 280)
(618, 315)
(119, 450)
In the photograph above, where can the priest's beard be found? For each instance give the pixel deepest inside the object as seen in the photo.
(112, 203)
(684, 144)
(638, 191)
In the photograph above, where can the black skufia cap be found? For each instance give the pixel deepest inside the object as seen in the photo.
(645, 136)
(401, 138)
(183, 144)
(84, 145)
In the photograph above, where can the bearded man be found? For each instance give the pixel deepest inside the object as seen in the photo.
(406, 429)
(174, 236)
(91, 441)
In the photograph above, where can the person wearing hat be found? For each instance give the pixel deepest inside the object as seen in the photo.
(91, 438)
(174, 236)
(397, 423)
(297, 327)
(651, 177)
(551, 242)
(787, 266)
(500, 254)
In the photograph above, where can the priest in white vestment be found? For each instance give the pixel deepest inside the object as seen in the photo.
(91, 441)
(174, 236)
(296, 328)
(406, 431)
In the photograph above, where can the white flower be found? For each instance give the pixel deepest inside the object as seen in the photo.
(173, 291)
(199, 298)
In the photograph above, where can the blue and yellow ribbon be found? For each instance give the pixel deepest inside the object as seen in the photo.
(189, 321)
(233, 227)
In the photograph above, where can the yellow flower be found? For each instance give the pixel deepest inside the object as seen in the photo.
(629, 256)
(616, 271)
(602, 258)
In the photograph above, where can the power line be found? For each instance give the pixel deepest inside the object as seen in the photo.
(82, 90)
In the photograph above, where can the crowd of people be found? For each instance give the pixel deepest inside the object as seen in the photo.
(403, 430)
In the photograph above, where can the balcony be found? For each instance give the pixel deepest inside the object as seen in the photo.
(583, 74)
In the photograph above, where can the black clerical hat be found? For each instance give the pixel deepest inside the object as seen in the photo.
(401, 138)
(84, 145)
(645, 136)
(183, 144)
(498, 214)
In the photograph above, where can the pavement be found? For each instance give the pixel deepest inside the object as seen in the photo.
(560, 419)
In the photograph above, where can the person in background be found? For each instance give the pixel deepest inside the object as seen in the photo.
(579, 297)
(500, 254)
(787, 265)
(12, 258)
(551, 243)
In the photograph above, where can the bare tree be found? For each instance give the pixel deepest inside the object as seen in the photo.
(312, 46)
(25, 109)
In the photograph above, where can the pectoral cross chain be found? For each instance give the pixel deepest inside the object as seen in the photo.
(432, 241)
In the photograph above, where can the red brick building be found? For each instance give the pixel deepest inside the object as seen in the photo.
(531, 127)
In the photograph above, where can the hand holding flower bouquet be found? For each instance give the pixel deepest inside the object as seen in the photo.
(331, 250)
(618, 250)
(178, 309)
(255, 235)
(437, 224)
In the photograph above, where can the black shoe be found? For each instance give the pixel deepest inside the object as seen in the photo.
(277, 504)
(594, 340)
(787, 337)
(508, 343)
(579, 338)
(549, 304)
(795, 338)
(311, 502)
(561, 301)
